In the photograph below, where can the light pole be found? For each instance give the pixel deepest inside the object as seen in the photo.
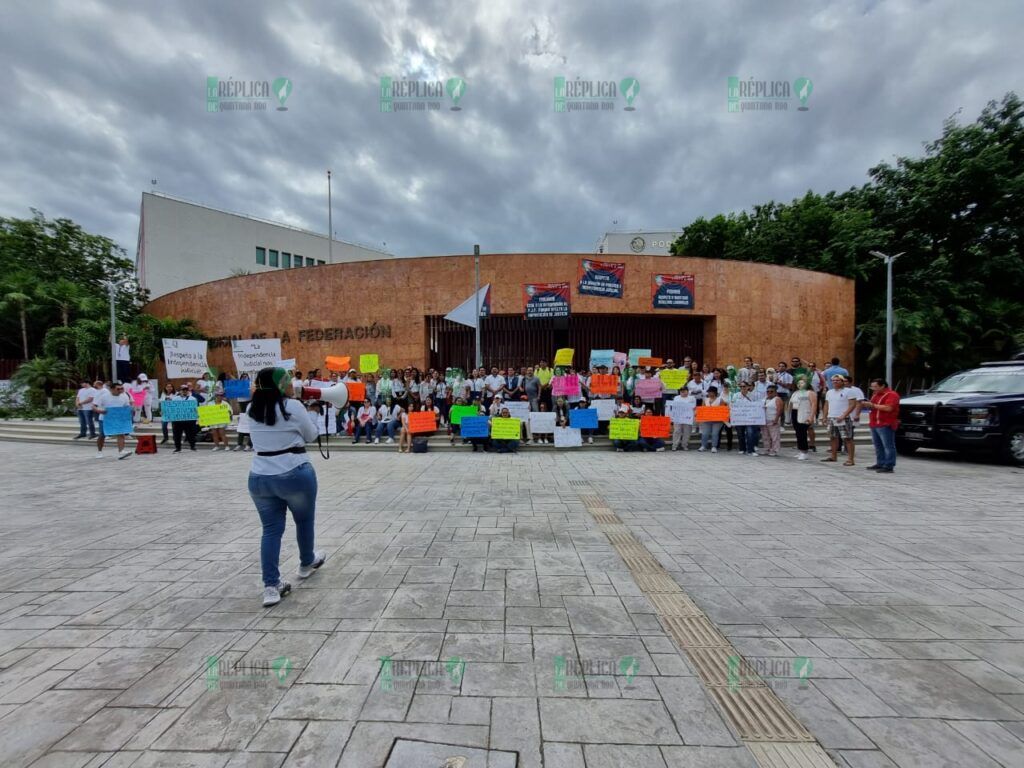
(476, 296)
(113, 334)
(888, 310)
(330, 223)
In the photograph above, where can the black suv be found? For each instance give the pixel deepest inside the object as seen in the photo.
(980, 408)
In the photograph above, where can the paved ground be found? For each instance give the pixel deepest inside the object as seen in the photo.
(123, 579)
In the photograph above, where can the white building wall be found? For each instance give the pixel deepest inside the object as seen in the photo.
(650, 242)
(183, 244)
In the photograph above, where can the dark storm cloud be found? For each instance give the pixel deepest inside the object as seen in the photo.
(102, 97)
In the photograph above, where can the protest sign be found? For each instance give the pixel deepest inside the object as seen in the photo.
(179, 410)
(565, 386)
(214, 415)
(422, 421)
(563, 357)
(655, 426)
(519, 409)
(599, 357)
(356, 391)
(475, 426)
(337, 363)
(288, 365)
(457, 412)
(237, 389)
(542, 422)
(649, 362)
(636, 354)
(583, 418)
(117, 421)
(185, 358)
(568, 437)
(605, 409)
(506, 429)
(369, 363)
(648, 389)
(712, 413)
(681, 411)
(604, 384)
(624, 429)
(746, 413)
(255, 354)
(619, 360)
(138, 398)
(673, 378)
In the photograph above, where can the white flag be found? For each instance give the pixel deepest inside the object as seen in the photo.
(464, 313)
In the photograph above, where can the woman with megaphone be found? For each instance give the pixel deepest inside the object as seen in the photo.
(282, 478)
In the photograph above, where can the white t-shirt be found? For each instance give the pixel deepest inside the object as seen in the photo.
(107, 399)
(298, 430)
(384, 415)
(494, 383)
(85, 395)
(124, 352)
(838, 400)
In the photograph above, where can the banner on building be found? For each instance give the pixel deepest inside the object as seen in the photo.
(601, 278)
(672, 291)
(545, 300)
(185, 358)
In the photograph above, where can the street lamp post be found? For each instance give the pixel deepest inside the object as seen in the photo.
(888, 310)
(330, 223)
(476, 295)
(113, 334)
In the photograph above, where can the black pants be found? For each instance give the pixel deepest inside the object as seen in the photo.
(124, 371)
(186, 428)
(728, 438)
(801, 434)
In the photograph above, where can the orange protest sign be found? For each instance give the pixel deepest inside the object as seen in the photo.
(604, 384)
(356, 391)
(422, 421)
(649, 362)
(335, 363)
(712, 413)
(655, 426)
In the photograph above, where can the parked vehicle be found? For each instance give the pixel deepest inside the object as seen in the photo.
(980, 409)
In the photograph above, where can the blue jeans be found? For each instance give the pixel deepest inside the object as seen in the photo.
(748, 438)
(86, 423)
(364, 429)
(386, 425)
(884, 439)
(709, 432)
(273, 495)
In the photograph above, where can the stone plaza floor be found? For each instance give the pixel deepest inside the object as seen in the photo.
(559, 610)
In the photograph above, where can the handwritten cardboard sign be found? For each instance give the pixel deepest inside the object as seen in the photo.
(422, 421)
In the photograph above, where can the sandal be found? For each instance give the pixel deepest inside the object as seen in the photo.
(828, 459)
(848, 464)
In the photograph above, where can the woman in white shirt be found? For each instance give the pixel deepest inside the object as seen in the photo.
(710, 430)
(366, 417)
(389, 416)
(282, 478)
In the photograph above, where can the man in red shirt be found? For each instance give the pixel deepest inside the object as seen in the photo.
(885, 415)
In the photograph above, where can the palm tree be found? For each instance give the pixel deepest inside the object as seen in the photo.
(68, 297)
(17, 294)
(44, 373)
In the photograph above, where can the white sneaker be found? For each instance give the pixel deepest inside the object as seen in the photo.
(753, 453)
(99, 454)
(305, 571)
(701, 449)
(590, 439)
(390, 440)
(123, 454)
(272, 595)
(802, 457)
(236, 449)
(376, 441)
(714, 450)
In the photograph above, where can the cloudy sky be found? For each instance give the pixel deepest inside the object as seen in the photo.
(102, 97)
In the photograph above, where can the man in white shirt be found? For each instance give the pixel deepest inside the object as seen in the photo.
(105, 400)
(494, 384)
(697, 387)
(839, 406)
(83, 405)
(123, 358)
(748, 372)
(681, 411)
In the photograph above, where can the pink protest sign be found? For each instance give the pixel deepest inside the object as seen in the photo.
(139, 398)
(648, 389)
(565, 386)
(619, 359)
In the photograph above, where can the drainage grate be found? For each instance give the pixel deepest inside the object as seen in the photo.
(722, 666)
(656, 582)
(759, 715)
(695, 632)
(674, 604)
(782, 755)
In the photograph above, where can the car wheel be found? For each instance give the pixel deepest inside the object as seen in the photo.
(1014, 448)
(906, 449)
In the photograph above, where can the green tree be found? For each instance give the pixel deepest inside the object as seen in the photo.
(18, 297)
(44, 373)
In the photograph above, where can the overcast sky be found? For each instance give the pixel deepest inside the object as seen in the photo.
(102, 97)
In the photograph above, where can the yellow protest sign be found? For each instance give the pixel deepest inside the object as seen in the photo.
(624, 429)
(505, 429)
(214, 415)
(563, 357)
(369, 364)
(673, 378)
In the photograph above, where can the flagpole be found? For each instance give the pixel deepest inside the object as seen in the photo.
(476, 295)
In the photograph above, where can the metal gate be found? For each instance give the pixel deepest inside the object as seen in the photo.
(512, 340)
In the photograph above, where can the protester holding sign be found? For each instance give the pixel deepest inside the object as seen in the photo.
(623, 430)
(166, 397)
(217, 430)
(281, 478)
(681, 411)
(115, 397)
(773, 410)
(186, 427)
(710, 430)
